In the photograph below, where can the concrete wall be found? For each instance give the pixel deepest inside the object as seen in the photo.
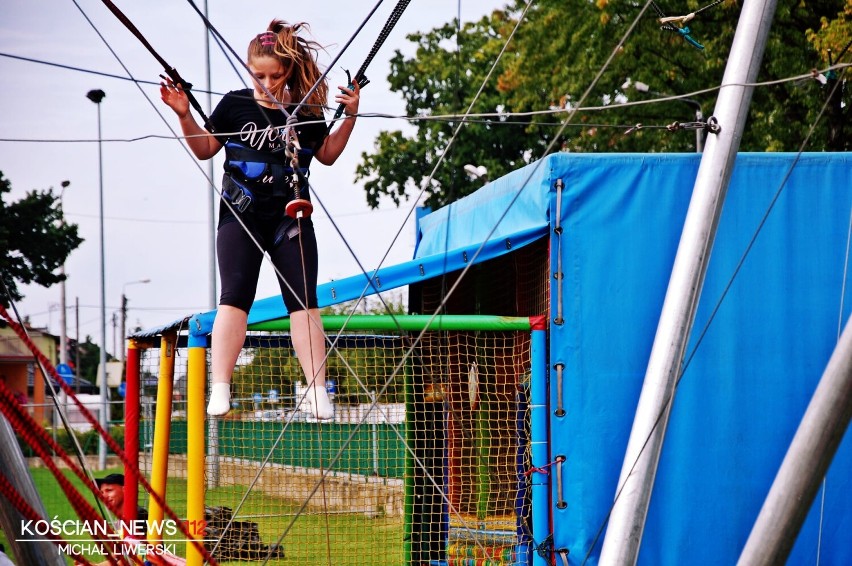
(354, 493)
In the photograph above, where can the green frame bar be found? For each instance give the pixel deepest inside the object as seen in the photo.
(407, 322)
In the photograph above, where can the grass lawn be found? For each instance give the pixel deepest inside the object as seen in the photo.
(311, 537)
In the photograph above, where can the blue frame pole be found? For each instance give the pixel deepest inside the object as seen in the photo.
(538, 444)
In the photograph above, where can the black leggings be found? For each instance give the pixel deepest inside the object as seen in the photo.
(240, 259)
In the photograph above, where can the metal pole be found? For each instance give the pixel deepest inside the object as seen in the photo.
(14, 468)
(211, 194)
(123, 346)
(77, 370)
(699, 133)
(636, 482)
(104, 391)
(63, 323)
(212, 424)
(63, 319)
(123, 328)
(375, 433)
(807, 460)
(115, 333)
(97, 96)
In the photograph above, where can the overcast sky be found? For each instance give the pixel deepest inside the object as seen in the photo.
(156, 197)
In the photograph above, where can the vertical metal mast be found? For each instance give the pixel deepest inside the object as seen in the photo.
(41, 552)
(212, 425)
(211, 193)
(633, 493)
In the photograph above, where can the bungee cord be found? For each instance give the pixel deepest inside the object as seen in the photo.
(360, 77)
(224, 43)
(170, 71)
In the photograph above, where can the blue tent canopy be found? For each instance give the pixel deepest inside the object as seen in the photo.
(767, 323)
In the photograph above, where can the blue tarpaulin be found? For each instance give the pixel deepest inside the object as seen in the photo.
(768, 319)
(762, 337)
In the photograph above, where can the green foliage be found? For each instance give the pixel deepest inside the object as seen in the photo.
(90, 358)
(384, 303)
(552, 62)
(437, 82)
(35, 240)
(274, 367)
(88, 441)
(277, 366)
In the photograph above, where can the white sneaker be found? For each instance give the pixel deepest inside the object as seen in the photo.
(220, 400)
(318, 403)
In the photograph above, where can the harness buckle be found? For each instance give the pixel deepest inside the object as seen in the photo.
(239, 197)
(242, 201)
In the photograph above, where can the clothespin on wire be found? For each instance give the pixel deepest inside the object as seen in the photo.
(668, 22)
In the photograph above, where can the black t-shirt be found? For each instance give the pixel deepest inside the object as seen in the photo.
(238, 118)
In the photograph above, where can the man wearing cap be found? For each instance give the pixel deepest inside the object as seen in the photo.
(112, 490)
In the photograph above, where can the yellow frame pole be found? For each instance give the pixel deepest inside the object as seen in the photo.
(196, 378)
(162, 433)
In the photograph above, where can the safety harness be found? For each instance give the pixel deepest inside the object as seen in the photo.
(246, 167)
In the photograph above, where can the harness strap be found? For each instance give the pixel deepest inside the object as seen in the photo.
(235, 193)
(239, 152)
(265, 172)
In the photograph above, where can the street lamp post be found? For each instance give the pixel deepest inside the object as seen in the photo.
(124, 316)
(699, 115)
(63, 325)
(97, 96)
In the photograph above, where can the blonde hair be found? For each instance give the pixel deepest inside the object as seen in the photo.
(298, 57)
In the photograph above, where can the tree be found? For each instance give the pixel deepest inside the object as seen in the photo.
(832, 41)
(437, 82)
(90, 359)
(559, 48)
(35, 239)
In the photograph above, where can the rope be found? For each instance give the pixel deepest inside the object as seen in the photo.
(51, 370)
(360, 77)
(170, 71)
(78, 450)
(37, 437)
(24, 508)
